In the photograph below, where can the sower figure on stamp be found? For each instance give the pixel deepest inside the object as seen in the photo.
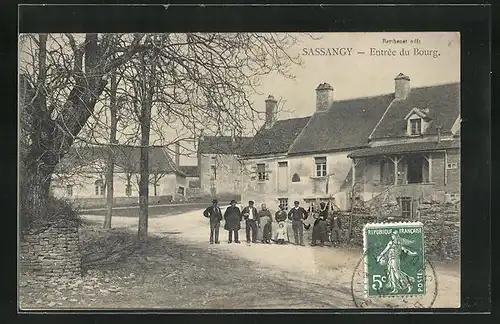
(297, 215)
(215, 215)
(265, 220)
(251, 222)
(232, 216)
(397, 279)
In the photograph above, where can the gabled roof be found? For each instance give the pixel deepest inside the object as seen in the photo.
(419, 112)
(347, 124)
(406, 148)
(443, 102)
(127, 158)
(190, 170)
(276, 139)
(222, 144)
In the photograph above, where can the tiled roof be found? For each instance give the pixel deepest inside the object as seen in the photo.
(406, 148)
(276, 139)
(190, 170)
(221, 144)
(347, 124)
(443, 102)
(126, 158)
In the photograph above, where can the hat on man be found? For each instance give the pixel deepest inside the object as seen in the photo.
(296, 202)
(250, 202)
(214, 201)
(233, 201)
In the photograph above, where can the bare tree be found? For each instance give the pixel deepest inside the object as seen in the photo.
(65, 75)
(186, 82)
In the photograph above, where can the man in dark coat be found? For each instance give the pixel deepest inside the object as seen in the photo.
(297, 215)
(251, 222)
(232, 217)
(214, 213)
(336, 228)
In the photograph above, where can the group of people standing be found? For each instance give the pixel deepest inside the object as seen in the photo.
(326, 227)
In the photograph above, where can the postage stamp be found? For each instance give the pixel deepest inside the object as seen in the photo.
(394, 259)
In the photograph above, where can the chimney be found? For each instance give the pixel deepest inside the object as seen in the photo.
(401, 86)
(438, 134)
(271, 112)
(324, 97)
(177, 154)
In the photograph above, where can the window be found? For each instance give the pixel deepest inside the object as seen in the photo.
(415, 169)
(284, 202)
(320, 166)
(128, 190)
(386, 172)
(261, 172)
(416, 126)
(295, 178)
(99, 187)
(213, 172)
(452, 165)
(180, 191)
(282, 164)
(69, 190)
(406, 207)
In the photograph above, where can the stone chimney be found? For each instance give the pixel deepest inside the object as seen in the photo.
(177, 154)
(271, 112)
(401, 86)
(438, 140)
(324, 97)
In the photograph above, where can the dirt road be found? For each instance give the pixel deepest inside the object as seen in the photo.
(324, 269)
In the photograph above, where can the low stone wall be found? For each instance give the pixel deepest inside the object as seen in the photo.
(52, 252)
(441, 226)
(118, 201)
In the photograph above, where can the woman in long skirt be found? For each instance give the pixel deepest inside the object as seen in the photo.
(320, 226)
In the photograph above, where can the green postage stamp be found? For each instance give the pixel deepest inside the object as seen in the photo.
(394, 259)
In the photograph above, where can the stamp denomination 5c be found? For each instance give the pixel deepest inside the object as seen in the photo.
(394, 259)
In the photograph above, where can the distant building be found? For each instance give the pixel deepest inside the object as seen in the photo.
(218, 164)
(81, 173)
(192, 175)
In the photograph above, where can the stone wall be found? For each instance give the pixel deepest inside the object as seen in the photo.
(441, 225)
(119, 201)
(52, 252)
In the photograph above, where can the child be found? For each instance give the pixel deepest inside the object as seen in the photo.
(281, 233)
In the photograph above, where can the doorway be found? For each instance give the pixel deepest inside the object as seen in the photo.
(283, 176)
(415, 165)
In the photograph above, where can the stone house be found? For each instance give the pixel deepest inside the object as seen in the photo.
(192, 175)
(306, 158)
(309, 158)
(414, 151)
(218, 164)
(81, 173)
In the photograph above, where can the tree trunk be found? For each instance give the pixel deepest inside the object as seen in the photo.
(111, 158)
(145, 121)
(35, 193)
(143, 182)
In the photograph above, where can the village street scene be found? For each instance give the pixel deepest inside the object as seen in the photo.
(235, 170)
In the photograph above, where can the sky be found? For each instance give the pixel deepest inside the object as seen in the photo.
(360, 75)
(356, 75)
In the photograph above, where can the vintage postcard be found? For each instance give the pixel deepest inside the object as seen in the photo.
(239, 170)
